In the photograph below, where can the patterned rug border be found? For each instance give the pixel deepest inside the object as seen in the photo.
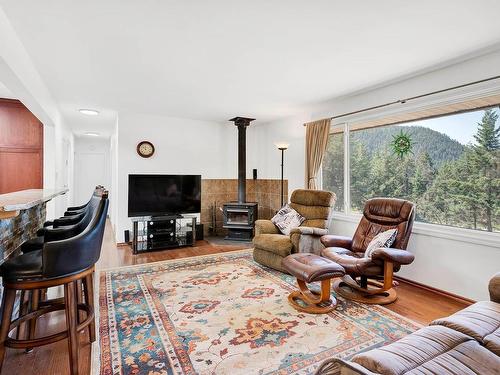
(175, 260)
(96, 348)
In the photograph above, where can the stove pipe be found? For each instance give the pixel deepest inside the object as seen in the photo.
(242, 123)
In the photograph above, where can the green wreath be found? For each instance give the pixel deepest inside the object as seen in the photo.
(402, 144)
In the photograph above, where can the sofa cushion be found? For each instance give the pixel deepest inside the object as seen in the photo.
(274, 243)
(480, 321)
(431, 350)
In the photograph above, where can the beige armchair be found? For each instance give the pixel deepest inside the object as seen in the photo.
(271, 246)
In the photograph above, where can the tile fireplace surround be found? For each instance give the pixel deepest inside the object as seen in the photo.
(215, 192)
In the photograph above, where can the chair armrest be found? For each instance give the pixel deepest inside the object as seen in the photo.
(48, 223)
(331, 240)
(494, 288)
(76, 208)
(67, 220)
(72, 213)
(332, 366)
(60, 233)
(393, 255)
(307, 239)
(309, 230)
(265, 227)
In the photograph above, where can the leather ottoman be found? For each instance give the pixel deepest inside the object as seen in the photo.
(309, 268)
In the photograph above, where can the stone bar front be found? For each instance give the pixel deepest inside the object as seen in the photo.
(22, 213)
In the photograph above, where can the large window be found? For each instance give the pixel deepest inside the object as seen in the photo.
(452, 171)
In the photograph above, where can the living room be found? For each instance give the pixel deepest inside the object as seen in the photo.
(284, 137)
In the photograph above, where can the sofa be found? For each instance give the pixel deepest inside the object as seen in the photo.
(467, 342)
(271, 246)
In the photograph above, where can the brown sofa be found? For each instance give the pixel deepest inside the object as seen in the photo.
(271, 246)
(467, 342)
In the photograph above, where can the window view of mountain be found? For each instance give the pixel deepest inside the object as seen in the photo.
(440, 147)
(451, 183)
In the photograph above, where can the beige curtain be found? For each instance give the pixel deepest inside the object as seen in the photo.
(316, 142)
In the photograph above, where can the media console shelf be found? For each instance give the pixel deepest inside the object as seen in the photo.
(164, 232)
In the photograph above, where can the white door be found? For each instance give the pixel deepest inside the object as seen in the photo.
(90, 170)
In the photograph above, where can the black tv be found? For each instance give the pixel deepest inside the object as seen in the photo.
(160, 195)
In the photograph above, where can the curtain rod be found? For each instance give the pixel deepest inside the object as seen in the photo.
(402, 101)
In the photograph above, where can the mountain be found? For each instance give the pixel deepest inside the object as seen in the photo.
(439, 146)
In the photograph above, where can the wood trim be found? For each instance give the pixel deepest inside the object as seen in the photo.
(8, 214)
(12, 102)
(441, 292)
(20, 149)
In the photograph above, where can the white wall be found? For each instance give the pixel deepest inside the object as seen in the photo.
(182, 146)
(264, 155)
(453, 263)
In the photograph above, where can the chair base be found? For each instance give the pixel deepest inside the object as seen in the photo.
(349, 289)
(312, 301)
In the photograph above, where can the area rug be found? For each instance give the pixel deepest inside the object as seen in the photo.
(225, 314)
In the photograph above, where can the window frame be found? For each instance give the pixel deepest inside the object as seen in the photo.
(427, 229)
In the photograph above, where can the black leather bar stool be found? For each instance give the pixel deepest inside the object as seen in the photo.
(66, 231)
(59, 263)
(72, 214)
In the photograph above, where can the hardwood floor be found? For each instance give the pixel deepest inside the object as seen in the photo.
(415, 303)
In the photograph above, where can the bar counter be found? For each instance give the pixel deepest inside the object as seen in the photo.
(22, 213)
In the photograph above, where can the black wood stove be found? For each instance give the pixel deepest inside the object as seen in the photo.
(239, 217)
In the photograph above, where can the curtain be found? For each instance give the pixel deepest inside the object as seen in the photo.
(316, 142)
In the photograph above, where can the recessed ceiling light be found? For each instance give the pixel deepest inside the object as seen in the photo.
(92, 134)
(90, 112)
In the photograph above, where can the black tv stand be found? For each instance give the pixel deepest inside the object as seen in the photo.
(163, 232)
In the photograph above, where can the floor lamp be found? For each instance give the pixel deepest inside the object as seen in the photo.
(282, 147)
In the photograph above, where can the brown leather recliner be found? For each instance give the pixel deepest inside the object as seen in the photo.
(360, 283)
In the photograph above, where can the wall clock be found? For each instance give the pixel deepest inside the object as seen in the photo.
(145, 149)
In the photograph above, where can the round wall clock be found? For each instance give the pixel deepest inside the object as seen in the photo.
(145, 149)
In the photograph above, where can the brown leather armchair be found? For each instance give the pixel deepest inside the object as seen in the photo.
(361, 282)
(271, 246)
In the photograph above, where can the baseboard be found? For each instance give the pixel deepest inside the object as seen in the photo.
(444, 293)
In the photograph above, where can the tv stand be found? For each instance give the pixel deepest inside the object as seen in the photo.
(163, 232)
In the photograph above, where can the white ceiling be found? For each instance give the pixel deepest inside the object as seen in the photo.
(215, 59)
(5, 92)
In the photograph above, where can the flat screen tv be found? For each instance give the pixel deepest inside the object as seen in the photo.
(158, 195)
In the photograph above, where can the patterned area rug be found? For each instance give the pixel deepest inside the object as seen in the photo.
(225, 314)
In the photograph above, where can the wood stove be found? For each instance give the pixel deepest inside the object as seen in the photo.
(239, 217)
(239, 220)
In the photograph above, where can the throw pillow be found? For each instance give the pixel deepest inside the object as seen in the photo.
(384, 239)
(286, 219)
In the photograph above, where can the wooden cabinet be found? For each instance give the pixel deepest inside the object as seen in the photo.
(21, 148)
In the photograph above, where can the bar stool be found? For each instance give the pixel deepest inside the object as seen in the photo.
(65, 263)
(78, 224)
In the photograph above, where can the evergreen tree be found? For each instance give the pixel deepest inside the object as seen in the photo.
(361, 179)
(485, 161)
(488, 137)
(333, 168)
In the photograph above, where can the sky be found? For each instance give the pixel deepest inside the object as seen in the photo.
(460, 127)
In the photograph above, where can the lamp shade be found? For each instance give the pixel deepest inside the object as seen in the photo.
(281, 145)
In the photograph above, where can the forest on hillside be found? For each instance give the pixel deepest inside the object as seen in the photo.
(451, 183)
